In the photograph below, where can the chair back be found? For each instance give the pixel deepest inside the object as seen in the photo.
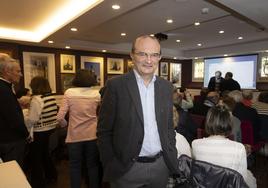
(247, 132)
(199, 120)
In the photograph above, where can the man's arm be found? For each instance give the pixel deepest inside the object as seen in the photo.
(106, 122)
(11, 112)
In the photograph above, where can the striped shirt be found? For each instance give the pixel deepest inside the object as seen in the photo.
(43, 112)
(261, 107)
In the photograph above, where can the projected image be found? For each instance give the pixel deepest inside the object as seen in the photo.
(244, 69)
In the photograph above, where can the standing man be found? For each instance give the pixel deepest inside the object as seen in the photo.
(135, 126)
(216, 82)
(229, 83)
(13, 132)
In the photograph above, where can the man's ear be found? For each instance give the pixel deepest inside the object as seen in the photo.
(131, 55)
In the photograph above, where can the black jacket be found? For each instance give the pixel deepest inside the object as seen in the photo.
(200, 174)
(12, 127)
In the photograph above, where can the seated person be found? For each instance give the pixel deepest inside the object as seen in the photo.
(261, 105)
(187, 101)
(219, 150)
(236, 129)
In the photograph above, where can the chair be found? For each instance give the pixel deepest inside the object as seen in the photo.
(199, 120)
(248, 136)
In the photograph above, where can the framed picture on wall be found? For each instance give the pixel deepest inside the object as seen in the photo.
(67, 63)
(39, 64)
(115, 66)
(95, 65)
(175, 74)
(198, 70)
(130, 65)
(163, 68)
(263, 68)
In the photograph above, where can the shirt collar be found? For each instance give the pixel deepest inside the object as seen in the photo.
(139, 78)
(1, 78)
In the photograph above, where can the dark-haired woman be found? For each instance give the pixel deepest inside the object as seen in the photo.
(81, 103)
(43, 118)
(218, 149)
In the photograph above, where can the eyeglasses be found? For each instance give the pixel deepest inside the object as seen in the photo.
(144, 55)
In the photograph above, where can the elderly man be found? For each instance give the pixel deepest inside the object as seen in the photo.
(13, 132)
(135, 127)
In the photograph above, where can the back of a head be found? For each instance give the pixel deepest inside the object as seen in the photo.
(236, 95)
(263, 97)
(228, 75)
(40, 86)
(218, 121)
(229, 103)
(247, 94)
(84, 78)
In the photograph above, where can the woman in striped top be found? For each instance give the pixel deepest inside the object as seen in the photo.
(219, 150)
(43, 118)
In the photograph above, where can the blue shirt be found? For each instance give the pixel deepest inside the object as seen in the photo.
(151, 142)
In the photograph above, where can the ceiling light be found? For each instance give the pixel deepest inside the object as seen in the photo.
(178, 40)
(196, 58)
(266, 50)
(169, 21)
(115, 7)
(225, 55)
(152, 35)
(50, 41)
(199, 44)
(197, 23)
(73, 29)
(123, 34)
(221, 32)
(104, 50)
(240, 38)
(64, 14)
(174, 57)
(67, 47)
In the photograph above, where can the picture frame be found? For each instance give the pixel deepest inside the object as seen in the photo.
(115, 66)
(175, 74)
(165, 77)
(198, 70)
(67, 63)
(163, 68)
(130, 65)
(94, 64)
(39, 64)
(262, 75)
(66, 81)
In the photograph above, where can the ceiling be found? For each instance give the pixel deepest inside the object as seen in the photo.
(100, 27)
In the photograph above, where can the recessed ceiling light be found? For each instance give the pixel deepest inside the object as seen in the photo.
(197, 23)
(152, 35)
(174, 57)
(104, 50)
(221, 31)
(50, 41)
(225, 55)
(73, 29)
(52, 22)
(178, 40)
(169, 21)
(115, 7)
(196, 58)
(266, 50)
(67, 47)
(123, 34)
(199, 44)
(240, 38)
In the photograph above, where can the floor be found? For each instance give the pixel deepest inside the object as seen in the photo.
(259, 169)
